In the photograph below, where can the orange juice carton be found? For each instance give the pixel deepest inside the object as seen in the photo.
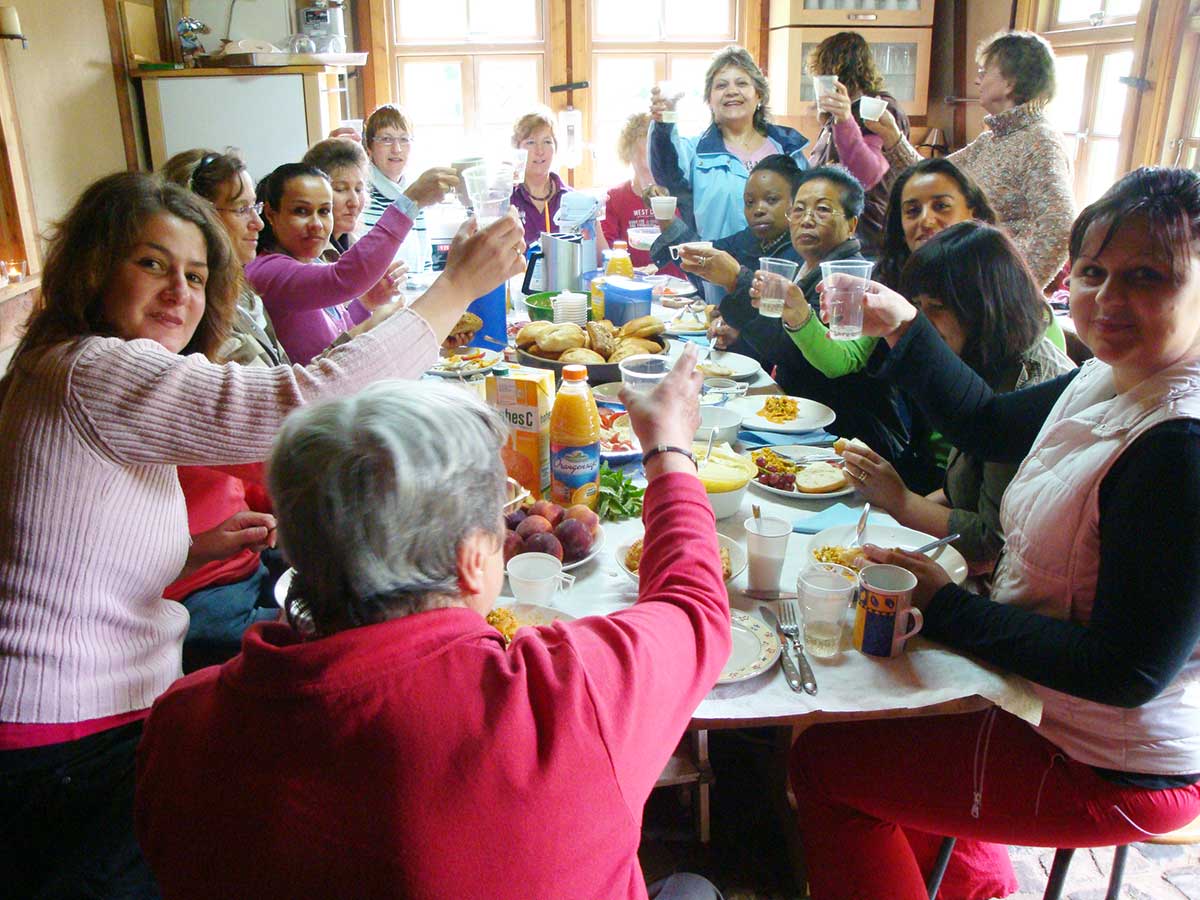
(524, 396)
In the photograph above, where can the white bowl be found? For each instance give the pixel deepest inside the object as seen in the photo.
(643, 238)
(725, 421)
(727, 503)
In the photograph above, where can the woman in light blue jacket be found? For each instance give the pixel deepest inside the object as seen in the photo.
(708, 173)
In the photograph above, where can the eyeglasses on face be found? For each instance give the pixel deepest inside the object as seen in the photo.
(402, 141)
(822, 212)
(243, 212)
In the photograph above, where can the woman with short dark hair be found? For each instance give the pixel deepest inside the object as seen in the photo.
(1020, 161)
(107, 393)
(1091, 600)
(972, 285)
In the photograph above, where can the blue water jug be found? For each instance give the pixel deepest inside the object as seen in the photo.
(491, 308)
(626, 299)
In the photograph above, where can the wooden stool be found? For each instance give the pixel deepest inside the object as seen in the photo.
(689, 765)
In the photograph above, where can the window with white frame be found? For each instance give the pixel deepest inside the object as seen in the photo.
(1074, 13)
(465, 71)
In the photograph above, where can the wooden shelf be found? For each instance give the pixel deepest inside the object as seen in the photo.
(231, 70)
(17, 288)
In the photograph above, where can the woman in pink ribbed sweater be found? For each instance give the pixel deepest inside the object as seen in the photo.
(108, 392)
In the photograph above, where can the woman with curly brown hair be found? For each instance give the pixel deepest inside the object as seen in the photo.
(109, 391)
(847, 56)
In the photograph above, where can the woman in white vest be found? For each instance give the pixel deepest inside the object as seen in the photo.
(1097, 594)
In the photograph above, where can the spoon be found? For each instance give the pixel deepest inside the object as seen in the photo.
(712, 433)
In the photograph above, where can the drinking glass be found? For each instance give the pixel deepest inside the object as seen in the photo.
(490, 188)
(780, 273)
(826, 591)
(766, 547)
(823, 84)
(845, 284)
(642, 373)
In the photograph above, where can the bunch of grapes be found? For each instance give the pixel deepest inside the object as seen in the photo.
(784, 481)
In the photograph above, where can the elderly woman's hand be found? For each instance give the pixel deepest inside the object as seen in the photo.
(931, 577)
(480, 259)
(345, 131)
(669, 414)
(722, 334)
(794, 301)
(432, 186)
(838, 103)
(655, 190)
(885, 313)
(885, 126)
(715, 266)
(659, 103)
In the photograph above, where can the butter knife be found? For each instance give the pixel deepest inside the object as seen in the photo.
(790, 672)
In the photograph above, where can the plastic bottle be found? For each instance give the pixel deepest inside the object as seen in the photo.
(574, 442)
(597, 291)
(619, 262)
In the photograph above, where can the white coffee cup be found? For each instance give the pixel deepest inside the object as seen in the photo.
(691, 246)
(871, 108)
(535, 577)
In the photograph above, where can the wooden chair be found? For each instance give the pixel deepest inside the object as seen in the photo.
(1188, 834)
(689, 765)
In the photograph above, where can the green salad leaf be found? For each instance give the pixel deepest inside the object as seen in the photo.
(619, 497)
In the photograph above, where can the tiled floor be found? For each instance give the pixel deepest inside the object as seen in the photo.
(747, 857)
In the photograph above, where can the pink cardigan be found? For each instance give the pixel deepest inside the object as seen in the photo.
(306, 301)
(92, 520)
(421, 758)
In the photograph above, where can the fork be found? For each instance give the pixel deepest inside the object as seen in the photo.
(789, 626)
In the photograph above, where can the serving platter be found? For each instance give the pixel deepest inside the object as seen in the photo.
(447, 369)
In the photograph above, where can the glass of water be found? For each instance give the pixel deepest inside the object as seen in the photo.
(826, 591)
(845, 286)
(490, 188)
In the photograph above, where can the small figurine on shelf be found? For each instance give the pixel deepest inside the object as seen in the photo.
(189, 30)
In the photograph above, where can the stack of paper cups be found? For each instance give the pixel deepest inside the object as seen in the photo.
(570, 307)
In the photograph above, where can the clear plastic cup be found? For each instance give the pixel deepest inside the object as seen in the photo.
(845, 284)
(774, 291)
(642, 373)
(823, 84)
(490, 188)
(826, 592)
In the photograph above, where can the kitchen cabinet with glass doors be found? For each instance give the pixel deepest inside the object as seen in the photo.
(852, 13)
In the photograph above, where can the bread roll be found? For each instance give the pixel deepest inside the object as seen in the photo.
(603, 340)
(528, 336)
(643, 345)
(642, 327)
(582, 356)
(468, 322)
(561, 337)
(855, 444)
(630, 347)
(820, 478)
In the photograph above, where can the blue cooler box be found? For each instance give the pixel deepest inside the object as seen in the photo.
(626, 299)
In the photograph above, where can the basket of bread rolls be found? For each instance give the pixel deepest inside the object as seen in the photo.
(600, 346)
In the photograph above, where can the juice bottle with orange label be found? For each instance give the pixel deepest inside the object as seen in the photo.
(574, 442)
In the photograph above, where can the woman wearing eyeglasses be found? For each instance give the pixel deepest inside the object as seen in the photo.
(387, 138)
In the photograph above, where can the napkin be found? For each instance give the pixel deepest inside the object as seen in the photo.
(839, 514)
(700, 340)
(752, 440)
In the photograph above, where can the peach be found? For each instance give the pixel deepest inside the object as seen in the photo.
(513, 545)
(544, 542)
(575, 538)
(586, 515)
(551, 512)
(532, 525)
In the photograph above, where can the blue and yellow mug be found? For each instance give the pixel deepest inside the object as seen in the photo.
(885, 618)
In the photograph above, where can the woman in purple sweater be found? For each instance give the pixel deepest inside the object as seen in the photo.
(312, 303)
(109, 391)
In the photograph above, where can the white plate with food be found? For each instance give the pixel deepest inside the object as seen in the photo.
(833, 544)
(723, 364)
(678, 287)
(733, 558)
(508, 615)
(775, 412)
(618, 443)
(687, 322)
(822, 479)
(755, 648)
(471, 361)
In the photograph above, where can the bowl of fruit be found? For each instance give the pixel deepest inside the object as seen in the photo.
(573, 535)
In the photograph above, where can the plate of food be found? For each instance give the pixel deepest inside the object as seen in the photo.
(573, 534)
(789, 415)
(733, 558)
(618, 443)
(466, 362)
(790, 477)
(723, 364)
(832, 545)
(509, 615)
(677, 287)
(689, 322)
(755, 648)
